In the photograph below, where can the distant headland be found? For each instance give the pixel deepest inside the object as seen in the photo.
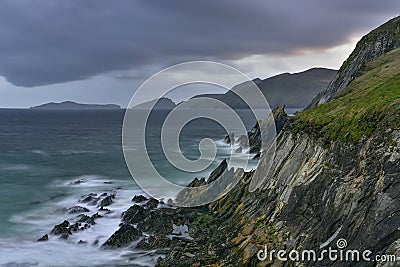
(69, 105)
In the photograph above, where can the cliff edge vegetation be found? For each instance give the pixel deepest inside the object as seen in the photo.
(369, 103)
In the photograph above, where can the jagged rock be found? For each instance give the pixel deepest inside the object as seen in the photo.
(139, 199)
(218, 171)
(134, 214)
(61, 228)
(125, 234)
(230, 138)
(254, 138)
(152, 204)
(107, 201)
(43, 238)
(89, 198)
(77, 209)
(197, 182)
(64, 236)
(84, 218)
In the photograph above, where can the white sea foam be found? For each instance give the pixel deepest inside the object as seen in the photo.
(57, 252)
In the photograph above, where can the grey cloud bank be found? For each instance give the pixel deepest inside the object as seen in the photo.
(46, 42)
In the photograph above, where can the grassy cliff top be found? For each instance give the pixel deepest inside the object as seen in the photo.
(369, 103)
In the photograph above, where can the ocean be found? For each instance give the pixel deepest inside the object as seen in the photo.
(44, 154)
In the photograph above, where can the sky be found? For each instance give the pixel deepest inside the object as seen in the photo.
(100, 51)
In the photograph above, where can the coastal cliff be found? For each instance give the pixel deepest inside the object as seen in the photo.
(335, 176)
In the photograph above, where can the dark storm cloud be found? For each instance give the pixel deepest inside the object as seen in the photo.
(54, 41)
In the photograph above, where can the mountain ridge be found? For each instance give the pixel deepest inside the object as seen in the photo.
(293, 90)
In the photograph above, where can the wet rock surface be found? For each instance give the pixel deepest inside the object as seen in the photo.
(139, 199)
(124, 235)
(77, 209)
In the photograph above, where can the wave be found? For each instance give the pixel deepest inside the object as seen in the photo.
(76, 152)
(15, 167)
(56, 252)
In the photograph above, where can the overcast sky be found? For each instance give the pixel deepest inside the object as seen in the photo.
(99, 51)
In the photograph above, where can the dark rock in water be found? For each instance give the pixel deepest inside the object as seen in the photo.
(61, 229)
(139, 198)
(107, 201)
(77, 182)
(134, 214)
(84, 218)
(64, 236)
(108, 182)
(89, 219)
(125, 234)
(230, 138)
(43, 238)
(217, 172)
(254, 138)
(152, 204)
(89, 198)
(82, 242)
(104, 209)
(77, 209)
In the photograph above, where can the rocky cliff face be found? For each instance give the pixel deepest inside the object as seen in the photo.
(335, 175)
(376, 43)
(312, 197)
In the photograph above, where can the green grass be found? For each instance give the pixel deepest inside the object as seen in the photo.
(368, 104)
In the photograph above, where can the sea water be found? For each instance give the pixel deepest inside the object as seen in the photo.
(44, 154)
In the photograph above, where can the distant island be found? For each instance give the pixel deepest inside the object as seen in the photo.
(69, 105)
